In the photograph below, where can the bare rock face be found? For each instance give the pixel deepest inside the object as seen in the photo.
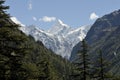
(105, 35)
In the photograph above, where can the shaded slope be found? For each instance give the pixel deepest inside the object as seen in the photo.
(105, 35)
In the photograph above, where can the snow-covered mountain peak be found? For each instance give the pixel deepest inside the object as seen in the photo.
(61, 23)
(60, 38)
(59, 28)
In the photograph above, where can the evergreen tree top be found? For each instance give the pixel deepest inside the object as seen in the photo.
(2, 7)
(2, 1)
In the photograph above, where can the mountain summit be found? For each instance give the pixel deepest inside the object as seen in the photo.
(59, 28)
(60, 38)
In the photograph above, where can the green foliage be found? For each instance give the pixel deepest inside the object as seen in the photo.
(101, 68)
(22, 58)
(82, 63)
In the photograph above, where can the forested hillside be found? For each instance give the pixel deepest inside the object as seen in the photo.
(23, 58)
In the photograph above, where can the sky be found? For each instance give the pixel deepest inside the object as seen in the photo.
(75, 13)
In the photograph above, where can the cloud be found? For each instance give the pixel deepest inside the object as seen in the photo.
(15, 20)
(34, 18)
(30, 5)
(47, 19)
(93, 16)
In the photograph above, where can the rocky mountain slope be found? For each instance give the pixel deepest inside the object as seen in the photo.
(105, 35)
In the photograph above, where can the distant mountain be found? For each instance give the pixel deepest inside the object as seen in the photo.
(59, 28)
(60, 38)
(105, 35)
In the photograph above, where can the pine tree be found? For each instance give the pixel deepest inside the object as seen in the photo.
(3, 15)
(12, 48)
(101, 68)
(82, 63)
(3, 58)
(2, 9)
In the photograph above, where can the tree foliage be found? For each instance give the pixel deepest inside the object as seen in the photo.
(22, 58)
(82, 63)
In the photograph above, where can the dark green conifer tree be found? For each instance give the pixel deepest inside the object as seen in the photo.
(3, 15)
(12, 47)
(101, 68)
(82, 63)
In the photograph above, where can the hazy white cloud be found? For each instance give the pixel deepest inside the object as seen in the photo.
(93, 16)
(47, 19)
(30, 5)
(15, 20)
(34, 18)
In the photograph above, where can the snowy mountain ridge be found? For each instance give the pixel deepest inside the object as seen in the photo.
(60, 38)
